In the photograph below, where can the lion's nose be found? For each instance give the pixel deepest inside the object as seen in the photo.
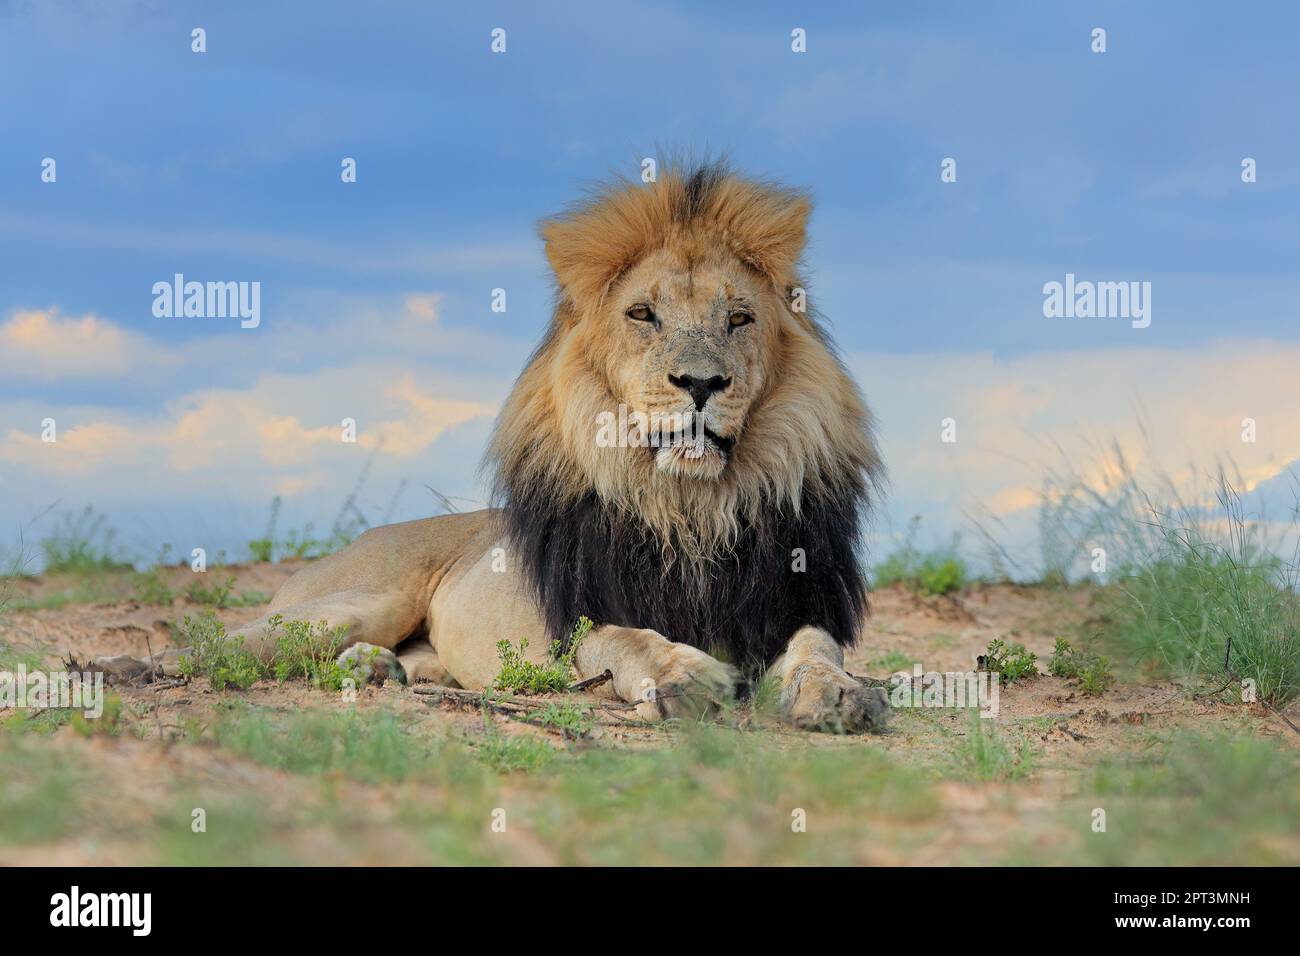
(700, 389)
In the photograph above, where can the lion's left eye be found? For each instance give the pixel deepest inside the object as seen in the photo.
(641, 313)
(736, 319)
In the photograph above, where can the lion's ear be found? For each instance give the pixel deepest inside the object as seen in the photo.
(587, 253)
(769, 231)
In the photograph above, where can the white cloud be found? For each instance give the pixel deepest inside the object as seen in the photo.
(41, 344)
(1177, 412)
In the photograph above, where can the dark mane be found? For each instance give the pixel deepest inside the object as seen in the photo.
(585, 558)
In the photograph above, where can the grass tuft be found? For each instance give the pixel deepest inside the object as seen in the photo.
(81, 544)
(215, 655)
(1092, 671)
(310, 652)
(932, 573)
(1188, 585)
(1013, 661)
(518, 675)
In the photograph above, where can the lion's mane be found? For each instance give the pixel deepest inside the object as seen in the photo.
(733, 566)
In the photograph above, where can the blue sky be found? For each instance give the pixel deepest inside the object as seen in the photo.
(224, 165)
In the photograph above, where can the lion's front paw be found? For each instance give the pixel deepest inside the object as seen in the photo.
(688, 683)
(821, 697)
(369, 664)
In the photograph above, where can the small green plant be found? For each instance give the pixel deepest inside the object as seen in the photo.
(1096, 676)
(250, 599)
(518, 675)
(310, 652)
(934, 573)
(1013, 661)
(514, 753)
(215, 655)
(1092, 671)
(44, 720)
(110, 722)
(304, 545)
(569, 717)
(1064, 662)
(151, 587)
(12, 657)
(986, 756)
(215, 595)
(260, 550)
(891, 662)
(940, 575)
(81, 544)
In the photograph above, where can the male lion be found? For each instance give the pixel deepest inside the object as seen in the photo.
(716, 546)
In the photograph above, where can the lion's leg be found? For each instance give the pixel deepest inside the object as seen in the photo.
(421, 664)
(664, 678)
(817, 693)
(363, 615)
(372, 623)
(489, 601)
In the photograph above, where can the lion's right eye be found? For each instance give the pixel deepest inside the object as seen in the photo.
(641, 313)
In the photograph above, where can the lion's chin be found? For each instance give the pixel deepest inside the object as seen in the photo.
(703, 460)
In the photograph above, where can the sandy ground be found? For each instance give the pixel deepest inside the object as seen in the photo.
(1067, 729)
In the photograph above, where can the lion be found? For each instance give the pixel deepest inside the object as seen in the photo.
(684, 460)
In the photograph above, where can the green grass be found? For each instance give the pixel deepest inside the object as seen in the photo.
(570, 716)
(514, 753)
(368, 747)
(87, 588)
(1180, 614)
(715, 795)
(217, 594)
(305, 651)
(935, 572)
(215, 655)
(297, 544)
(41, 722)
(1189, 576)
(151, 587)
(891, 662)
(1012, 661)
(81, 544)
(370, 786)
(1092, 671)
(1193, 799)
(42, 803)
(250, 599)
(518, 675)
(261, 550)
(986, 755)
(11, 657)
(719, 796)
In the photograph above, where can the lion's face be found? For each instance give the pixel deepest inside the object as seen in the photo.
(677, 301)
(687, 353)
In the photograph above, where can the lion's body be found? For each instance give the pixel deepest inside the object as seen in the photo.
(734, 533)
(429, 585)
